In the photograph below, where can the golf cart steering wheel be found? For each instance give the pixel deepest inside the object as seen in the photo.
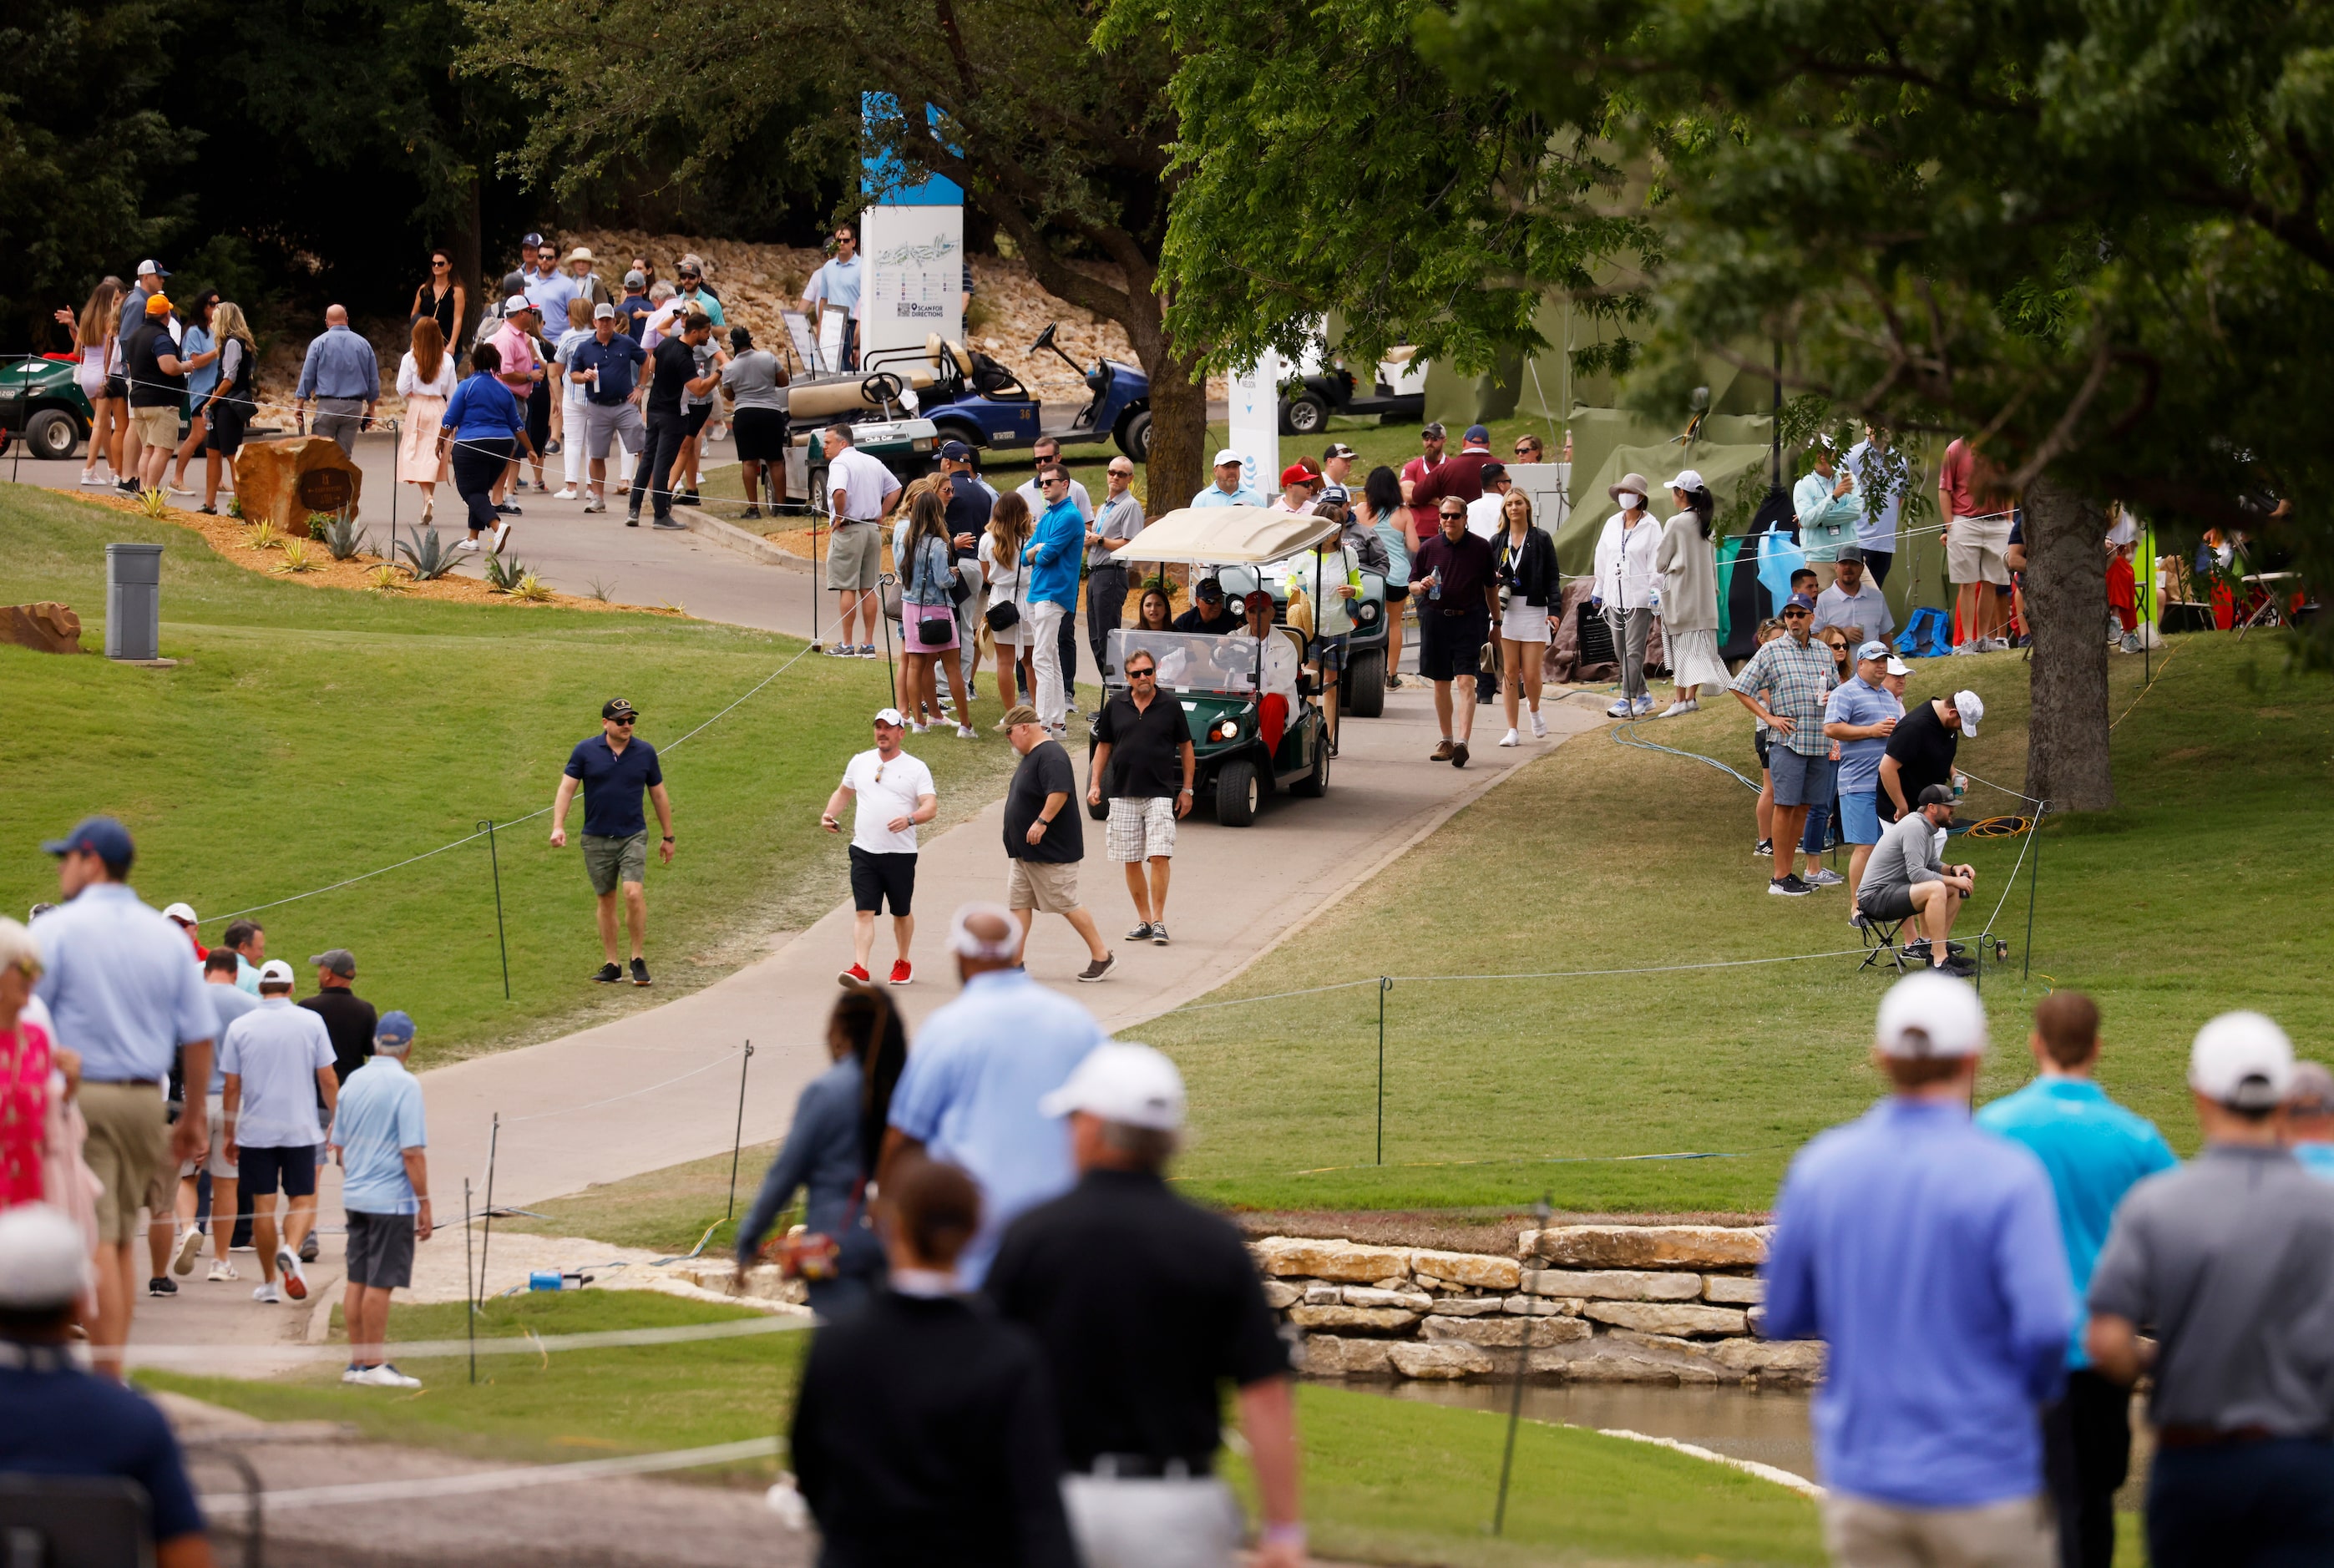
(881, 389)
(1044, 338)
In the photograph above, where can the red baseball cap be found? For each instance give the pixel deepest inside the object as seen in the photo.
(1295, 474)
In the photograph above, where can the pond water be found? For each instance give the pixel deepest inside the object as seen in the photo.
(1769, 1425)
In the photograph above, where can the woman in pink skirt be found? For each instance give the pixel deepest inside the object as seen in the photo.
(425, 379)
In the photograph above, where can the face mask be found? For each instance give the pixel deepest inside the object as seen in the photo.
(1630, 500)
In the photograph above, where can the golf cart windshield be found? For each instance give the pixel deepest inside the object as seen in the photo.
(1196, 661)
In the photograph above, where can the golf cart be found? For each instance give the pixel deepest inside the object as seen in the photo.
(1361, 689)
(880, 406)
(1396, 395)
(41, 405)
(1220, 679)
(976, 400)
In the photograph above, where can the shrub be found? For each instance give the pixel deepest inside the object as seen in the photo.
(298, 557)
(427, 556)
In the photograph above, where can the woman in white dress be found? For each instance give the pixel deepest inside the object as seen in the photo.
(425, 379)
(999, 553)
(1526, 559)
(1687, 559)
(92, 336)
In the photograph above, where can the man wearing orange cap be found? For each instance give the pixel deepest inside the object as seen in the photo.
(158, 389)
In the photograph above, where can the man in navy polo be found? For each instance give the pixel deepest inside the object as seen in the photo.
(614, 768)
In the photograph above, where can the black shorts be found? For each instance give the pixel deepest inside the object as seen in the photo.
(117, 388)
(225, 426)
(1760, 739)
(538, 416)
(380, 1250)
(876, 878)
(761, 435)
(293, 1167)
(1450, 647)
(1396, 592)
(693, 421)
(1889, 903)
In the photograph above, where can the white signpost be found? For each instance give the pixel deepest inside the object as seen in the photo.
(915, 277)
(1255, 423)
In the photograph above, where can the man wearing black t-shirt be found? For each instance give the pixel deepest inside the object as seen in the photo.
(158, 390)
(1149, 739)
(349, 1018)
(1209, 612)
(1044, 840)
(1920, 749)
(672, 373)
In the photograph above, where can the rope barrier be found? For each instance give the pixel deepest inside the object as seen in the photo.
(478, 1481)
(1626, 734)
(1546, 1160)
(499, 1344)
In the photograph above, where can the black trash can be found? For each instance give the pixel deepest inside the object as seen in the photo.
(133, 601)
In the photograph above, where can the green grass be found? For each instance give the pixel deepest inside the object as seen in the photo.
(665, 1210)
(1385, 1480)
(308, 736)
(2200, 893)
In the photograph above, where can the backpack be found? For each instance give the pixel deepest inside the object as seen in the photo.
(1926, 635)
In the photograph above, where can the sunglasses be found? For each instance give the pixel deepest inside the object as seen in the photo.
(1795, 614)
(1454, 515)
(1051, 483)
(1142, 674)
(439, 266)
(846, 239)
(626, 719)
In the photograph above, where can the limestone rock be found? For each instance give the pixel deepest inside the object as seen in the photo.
(1468, 1268)
(1537, 1306)
(1757, 1318)
(1343, 1261)
(1634, 1246)
(1321, 1295)
(1734, 1290)
(1444, 1362)
(1792, 1359)
(1413, 1301)
(46, 627)
(1668, 1317)
(1504, 1330)
(1329, 1356)
(1382, 1319)
(1614, 1284)
(1280, 1296)
(1467, 1307)
(280, 482)
(1604, 1360)
(1392, 1282)
(1693, 1350)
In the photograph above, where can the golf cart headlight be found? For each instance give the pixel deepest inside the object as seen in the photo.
(1365, 613)
(1228, 730)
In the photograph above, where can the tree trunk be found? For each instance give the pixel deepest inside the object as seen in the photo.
(2066, 761)
(468, 245)
(1178, 430)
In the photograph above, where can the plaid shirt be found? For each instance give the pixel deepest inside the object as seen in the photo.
(1797, 679)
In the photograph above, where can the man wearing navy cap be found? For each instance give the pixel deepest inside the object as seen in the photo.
(115, 978)
(612, 768)
(381, 1140)
(1459, 477)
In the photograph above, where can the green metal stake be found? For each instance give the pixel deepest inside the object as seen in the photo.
(737, 1146)
(494, 859)
(1385, 984)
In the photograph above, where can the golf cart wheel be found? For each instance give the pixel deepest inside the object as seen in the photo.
(1316, 784)
(1098, 810)
(1304, 415)
(818, 502)
(51, 435)
(1239, 791)
(1135, 437)
(1365, 684)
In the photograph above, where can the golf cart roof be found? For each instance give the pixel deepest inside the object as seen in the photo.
(1227, 534)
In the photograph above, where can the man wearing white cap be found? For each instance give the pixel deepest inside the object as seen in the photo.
(1859, 716)
(62, 1422)
(183, 917)
(892, 792)
(1144, 1302)
(969, 1093)
(1926, 1253)
(277, 1060)
(2230, 1259)
(1922, 747)
(1231, 488)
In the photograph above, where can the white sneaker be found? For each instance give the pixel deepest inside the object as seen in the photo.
(266, 1293)
(966, 732)
(287, 1269)
(565, 494)
(1620, 709)
(354, 1374)
(385, 1376)
(1687, 705)
(222, 1270)
(1508, 738)
(190, 1247)
(1539, 727)
(1644, 706)
(502, 536)
(91, 476)
(919, 728)
(468, 545)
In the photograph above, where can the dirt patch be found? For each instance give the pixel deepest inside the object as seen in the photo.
(1449, 1230)
(231, 539)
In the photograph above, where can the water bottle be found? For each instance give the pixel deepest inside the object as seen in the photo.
(1434, 584)
(1961, 786)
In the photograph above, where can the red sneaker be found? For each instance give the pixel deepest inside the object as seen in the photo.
(855, 976)
(902, 972)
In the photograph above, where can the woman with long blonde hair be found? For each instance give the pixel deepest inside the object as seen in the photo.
(232, 401)
(425, 379)
(999, 553)
(928, 629)
(92, 338)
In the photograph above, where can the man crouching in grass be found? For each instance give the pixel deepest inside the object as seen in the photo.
(380, 1137)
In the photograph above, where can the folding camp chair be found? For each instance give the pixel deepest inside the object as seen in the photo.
(1880, 943)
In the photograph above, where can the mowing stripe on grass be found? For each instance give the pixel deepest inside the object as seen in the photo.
(492, 1480)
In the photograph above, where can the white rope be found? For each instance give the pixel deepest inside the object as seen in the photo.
(480, 1481)
(494, 1345)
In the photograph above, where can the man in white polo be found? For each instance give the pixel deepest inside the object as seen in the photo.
(861, 493)
(893, 792)
(277, 1061)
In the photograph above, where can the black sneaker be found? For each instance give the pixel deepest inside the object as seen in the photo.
(608, 974)
(508, 509)
(641, 972)
(1764, 848)
(632, 520)
(1917, 950)
(686, 498)
(308, 1248)
(1158, 933)
(1789, 888)
(1960, 969)
(1098, 969)
(669, 524)
(1142, 932)
(162, 1286)
(751, 512)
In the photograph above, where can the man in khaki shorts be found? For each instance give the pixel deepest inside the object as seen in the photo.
(1043, 839)
(861, 492)
(613, 769)
(116, 977)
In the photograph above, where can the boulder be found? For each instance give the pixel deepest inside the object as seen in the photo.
(1328, 1356)
(1638, 1247)
(1279, 1295)
(46, 627)
(1383, 1320)
(1503, 1330)
(1443, 1362)
(1679, 1318)
(1467, 1307)
(1604, 1360)
(1362, 1295)
(1795, 1359)
(1614, 1284)
(1470, 1268)
(1319, 1295)
(280, 482)
(1735, 1289)
(1692, 1349)
(1343, 1261)
(1535, 1306)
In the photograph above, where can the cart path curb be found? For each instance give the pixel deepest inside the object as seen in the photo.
(1425, 830)
(731, 536)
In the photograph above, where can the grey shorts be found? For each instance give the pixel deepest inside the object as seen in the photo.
(380, 1250)
(215, 1164)
(613, 861)
(602, 424)
(1800, 781)
(854, 554)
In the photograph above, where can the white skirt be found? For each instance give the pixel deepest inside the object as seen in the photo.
(1694, 658)
(1523, 622)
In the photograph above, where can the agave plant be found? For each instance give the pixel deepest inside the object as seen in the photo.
(605, 592)
(383, 579)
(503, 573)
(342, 535)
(265, 536)
(427, 556)
(298, 557)
(318, 523)
(532, 588)
(153, 503)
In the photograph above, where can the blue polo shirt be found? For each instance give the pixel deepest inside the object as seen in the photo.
(63, 1421)
(377, 1119)
(116, 978)
(617, 360)
(2095, 1151)
(1859, 760)
(613, 784)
